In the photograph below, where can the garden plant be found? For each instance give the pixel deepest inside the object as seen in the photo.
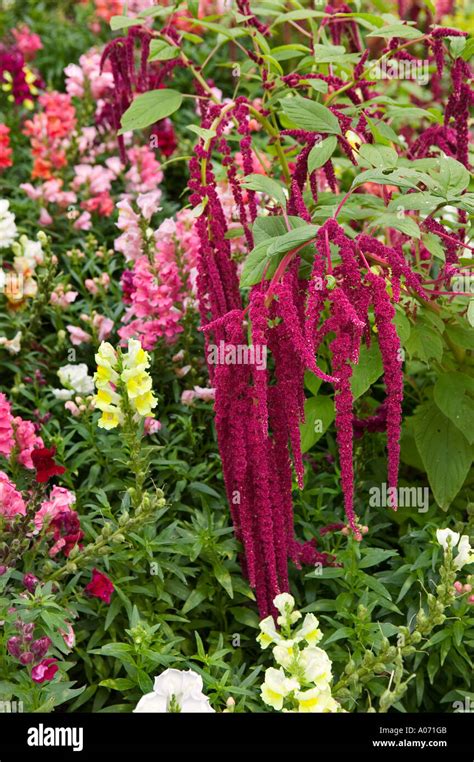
(236, 352)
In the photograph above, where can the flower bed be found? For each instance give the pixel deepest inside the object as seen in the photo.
(236, 396)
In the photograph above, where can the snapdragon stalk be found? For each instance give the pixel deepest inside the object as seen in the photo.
(391, 657)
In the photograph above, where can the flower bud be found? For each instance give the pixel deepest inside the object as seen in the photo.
(14, 646)
(39, 648)
(30, 581)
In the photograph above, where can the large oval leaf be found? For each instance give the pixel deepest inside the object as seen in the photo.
(444, 450)
(149, 108)
(309, 115)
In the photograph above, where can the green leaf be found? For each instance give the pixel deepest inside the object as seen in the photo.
(470, 313)
(193, 7)
(123, 22)
(149, 108)
(316, 84)
(254, 265)
(466, 203)
(403, 31)
(222, 575)
(203, 488)
(219, 29)
(195, 598)
(383, 134)
(451, 394)
(346, 633)
(460, 335)
(245, 616)
(194, 38)
(433, 244)
(266, 231)
(422, 202)
(403, 177)
(468, 51)
(144, 681)
(453, 177)
(408, 113)
(162, 51)
(203, 133)
(312, 381)
(330, 54)
(318, 416)
(266, 185)
(292, 239)
(403, 223)
(402, 324)
(118, 684)
(444, 450)
(309, 115)
(375, 556)
(381, 157)
(425, 343)
(287, 52)
(368, 369)
(321, 153)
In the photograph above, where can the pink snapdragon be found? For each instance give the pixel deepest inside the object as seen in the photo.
(62, 296)
(103, 325)
(26, 441)
(130, 242)
(11, 501)
(149, 203)
(78, 335)
(83, 222)
(97, 178)
(7, 441)
(151, 426)
(60, 501)
(157, 294)
(89, 76)
(145, 173)
(27, 41)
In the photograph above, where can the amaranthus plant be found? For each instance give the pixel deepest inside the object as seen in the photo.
(342, 195)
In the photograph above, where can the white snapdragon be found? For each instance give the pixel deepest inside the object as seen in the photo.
(317, 667)
(76, 380)
(176, 691)
(465, 554)
(449, 539)
(285, 603)
(309, 630)
(268, 633)
(302, 681)
(8, 230)
(315, 700)
(13, 346)
(277, 687)
(285, 653)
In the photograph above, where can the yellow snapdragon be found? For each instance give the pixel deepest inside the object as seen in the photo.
(106, 377)
(136, 379)
(122, 383)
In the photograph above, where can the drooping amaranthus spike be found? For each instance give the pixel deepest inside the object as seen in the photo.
(251, 20)
(338, 27)
(392, 358)
(457, 107)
